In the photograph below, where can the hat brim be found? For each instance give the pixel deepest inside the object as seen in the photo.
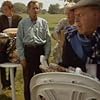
(83, 3)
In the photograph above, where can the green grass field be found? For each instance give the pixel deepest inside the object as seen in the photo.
(52, 21)
(51, 18)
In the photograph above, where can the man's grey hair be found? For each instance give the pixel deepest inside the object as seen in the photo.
(32, 2)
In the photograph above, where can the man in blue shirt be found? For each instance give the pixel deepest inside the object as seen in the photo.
(33, 40)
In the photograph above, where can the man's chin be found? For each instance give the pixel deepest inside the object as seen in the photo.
(87, 34)
(80, 31)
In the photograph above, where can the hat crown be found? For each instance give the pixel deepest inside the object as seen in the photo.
(82, 3)
(69, 4)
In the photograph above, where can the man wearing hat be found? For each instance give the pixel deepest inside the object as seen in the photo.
(58, 33)
(82, 47)
(64, 22)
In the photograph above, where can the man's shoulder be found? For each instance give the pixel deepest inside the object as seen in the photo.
(2, 16)
(25, 20)
(63, 20)
(17, 16)
(42, 19)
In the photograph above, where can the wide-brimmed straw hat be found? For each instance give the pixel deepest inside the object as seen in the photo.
(83, 3)
(68, 6)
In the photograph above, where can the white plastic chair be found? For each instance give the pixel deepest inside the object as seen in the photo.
(63, 77)
(11, 66)
(63, 91)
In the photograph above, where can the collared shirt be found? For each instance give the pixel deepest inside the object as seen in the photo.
(33, 32)
(58, 33)
(10, 21)
(60, 26)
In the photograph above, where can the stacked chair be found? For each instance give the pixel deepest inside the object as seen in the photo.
(64, 86)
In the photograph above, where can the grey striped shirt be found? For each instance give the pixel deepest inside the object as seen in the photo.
(36, 32)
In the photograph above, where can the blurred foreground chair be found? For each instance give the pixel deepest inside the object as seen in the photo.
(64, 86)
(63, 91)
(64, 77)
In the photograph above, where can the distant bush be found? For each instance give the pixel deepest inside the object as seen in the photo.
(20, 7)
(43, 11)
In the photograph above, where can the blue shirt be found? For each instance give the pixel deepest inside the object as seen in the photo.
(30, 32)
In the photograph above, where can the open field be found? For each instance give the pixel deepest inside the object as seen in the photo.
(52, 21)
(51, 18)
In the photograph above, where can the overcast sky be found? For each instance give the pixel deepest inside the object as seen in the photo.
(46, 3)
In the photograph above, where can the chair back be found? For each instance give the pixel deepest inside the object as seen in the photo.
(63, 77)
(63, 91)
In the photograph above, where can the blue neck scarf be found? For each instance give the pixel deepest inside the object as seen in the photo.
(86, 49)
(81, 46)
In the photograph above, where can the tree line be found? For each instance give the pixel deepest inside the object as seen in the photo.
(53, 8)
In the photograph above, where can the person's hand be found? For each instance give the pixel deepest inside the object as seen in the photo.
(23, 63)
